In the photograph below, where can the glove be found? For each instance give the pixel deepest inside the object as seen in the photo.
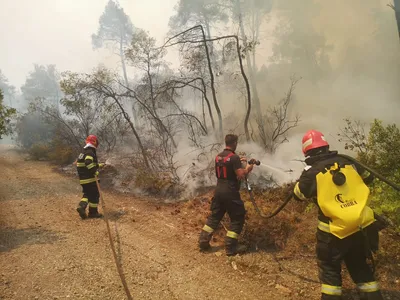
(97, 173)
(101, 165)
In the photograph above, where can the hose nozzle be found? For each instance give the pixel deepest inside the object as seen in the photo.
(254, 162)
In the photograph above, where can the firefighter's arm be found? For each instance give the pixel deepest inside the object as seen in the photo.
(237, 167)
(305, 187)
(91, 165)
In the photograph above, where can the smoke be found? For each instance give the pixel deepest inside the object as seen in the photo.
(355, 67)
(348, 55)
(198, 164)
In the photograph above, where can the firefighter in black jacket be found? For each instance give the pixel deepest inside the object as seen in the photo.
(87, 166)
(226, 198)
(347, 230)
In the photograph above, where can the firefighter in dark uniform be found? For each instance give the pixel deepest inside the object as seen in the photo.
(336, 243)
(87, 166)
(229, 171)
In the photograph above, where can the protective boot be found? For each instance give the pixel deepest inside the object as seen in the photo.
(204, 240)
(93, 213)
(81, 209)
(232, 247)
(371, 296)
(330, 297)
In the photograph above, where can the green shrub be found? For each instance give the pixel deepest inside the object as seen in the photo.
(380, 150)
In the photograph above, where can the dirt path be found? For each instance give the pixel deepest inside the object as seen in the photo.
(47, 252)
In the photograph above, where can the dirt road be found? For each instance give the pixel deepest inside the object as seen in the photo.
(47, 252)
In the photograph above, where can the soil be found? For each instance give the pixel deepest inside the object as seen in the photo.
(48, 252)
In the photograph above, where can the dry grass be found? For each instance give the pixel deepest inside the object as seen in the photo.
(290, 234)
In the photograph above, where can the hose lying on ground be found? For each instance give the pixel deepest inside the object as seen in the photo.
(117, 262)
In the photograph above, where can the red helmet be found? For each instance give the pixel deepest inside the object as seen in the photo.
(313, 139)
(92, 139)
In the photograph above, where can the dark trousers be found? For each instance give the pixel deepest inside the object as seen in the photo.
(224, 201)
(231, 203)
(90, 196)
(353, 250)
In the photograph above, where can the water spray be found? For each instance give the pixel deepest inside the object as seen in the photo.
(277, 169)
(258, 163)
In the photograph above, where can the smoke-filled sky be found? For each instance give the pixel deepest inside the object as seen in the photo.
(365, 56)
(59, 32)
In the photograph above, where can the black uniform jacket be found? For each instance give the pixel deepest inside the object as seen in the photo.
(87, 165)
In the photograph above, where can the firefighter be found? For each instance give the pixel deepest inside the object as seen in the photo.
(226, 198)
(87, 166)
(347, 230)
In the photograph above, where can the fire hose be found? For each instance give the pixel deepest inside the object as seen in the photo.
(275, 212)
(117, 262)
(377, 175)
(290, 195)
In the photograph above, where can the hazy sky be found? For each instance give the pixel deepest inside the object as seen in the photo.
(59, 32)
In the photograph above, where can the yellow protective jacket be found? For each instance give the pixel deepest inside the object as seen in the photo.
(343, 209)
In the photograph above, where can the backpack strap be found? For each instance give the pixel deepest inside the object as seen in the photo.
(220, 165)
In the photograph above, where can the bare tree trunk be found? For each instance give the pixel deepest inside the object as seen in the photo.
(203, 111)
(250, 67)
(122, 55)
(203, 92)
(104, 90)
(208, 103)
(246, 120)
(212, 83)
(135, 133)
(212, 54)
(396, 6)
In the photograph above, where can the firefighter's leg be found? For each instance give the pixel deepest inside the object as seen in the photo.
(81, 209)
(237, 214)
(360, 271)
(94, 197)
(217, 213)
(329, 266)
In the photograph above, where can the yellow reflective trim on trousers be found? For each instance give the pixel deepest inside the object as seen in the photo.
(94, 205)
(92, 165)
(368, 287)
(84, 200)
(208, 229)
(298, 193)
(331, 290)
(89, 157)
(232, 235)
(80, 165)
(323, 226)
(85, 181)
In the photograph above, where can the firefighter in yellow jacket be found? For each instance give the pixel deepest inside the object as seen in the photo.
(87, 167)
(347, 230)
